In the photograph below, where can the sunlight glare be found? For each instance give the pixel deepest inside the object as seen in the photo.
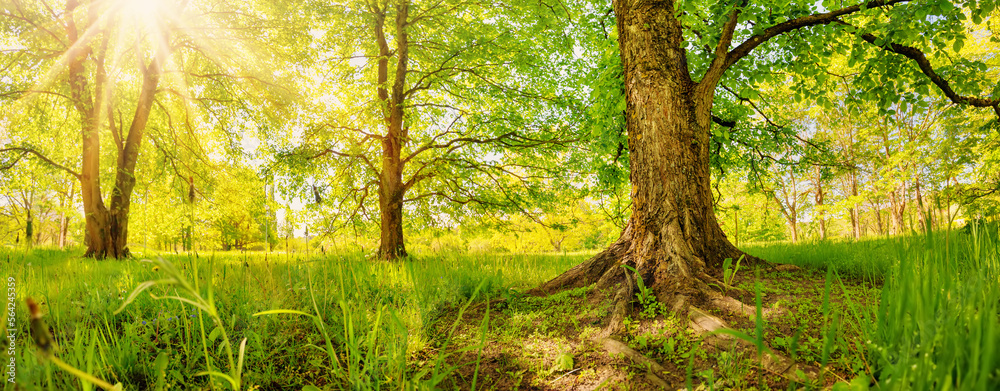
(143, 11)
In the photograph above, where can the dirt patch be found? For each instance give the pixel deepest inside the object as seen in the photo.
(549, 343)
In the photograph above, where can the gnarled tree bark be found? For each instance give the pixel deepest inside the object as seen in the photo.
(673, 239)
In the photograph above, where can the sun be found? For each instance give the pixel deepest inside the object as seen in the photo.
(142, 11)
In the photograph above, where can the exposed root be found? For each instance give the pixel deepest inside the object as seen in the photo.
(705, 324)
(787, 368)
(736, 307)
(784, 267)
(675, 268)
(613, 346)
(656, 381)
(621, 302)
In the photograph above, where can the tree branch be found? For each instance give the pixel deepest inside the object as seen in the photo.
(509, 140)
(24, 151)
(718, 66)
(342, 154)
(805, 21)
(723, 122)
(925, 67)
(24, 93)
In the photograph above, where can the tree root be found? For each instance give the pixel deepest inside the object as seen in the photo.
(736, 307)
(705, 324)
(675, 271)
(785, 267)
(621, 309)
(614, 346)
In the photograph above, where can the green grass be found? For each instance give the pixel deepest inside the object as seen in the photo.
(937, 322)
(375, 315)
(345, 322)
(866, 258)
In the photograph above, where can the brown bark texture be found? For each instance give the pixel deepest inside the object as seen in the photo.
(673, 239)
(391, 187)
(106, 224)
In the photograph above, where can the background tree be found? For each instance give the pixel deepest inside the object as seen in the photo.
(746, 213)
(21, 196)
(87, 51)
(791, 194)
(451, 115)
(819, 179)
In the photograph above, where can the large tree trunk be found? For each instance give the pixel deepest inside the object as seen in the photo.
(106, 228)
(391, 185)
(672, 239)
(391, 207)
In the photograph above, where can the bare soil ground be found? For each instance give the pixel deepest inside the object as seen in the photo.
(552, 343)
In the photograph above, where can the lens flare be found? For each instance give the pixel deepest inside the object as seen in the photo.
(142, 11)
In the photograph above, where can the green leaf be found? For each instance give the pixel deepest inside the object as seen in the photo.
(160, 370)
(291, 312)
(239, 364)
(135, 292)
(219, 374)
(564, 362)
(215, 334)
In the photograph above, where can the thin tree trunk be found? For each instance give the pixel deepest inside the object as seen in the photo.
(63, 227)
(64, 218)
(893, 200)
(855, 213)
(921, 209)
(29, 228)
(736, 226)
(819, 203)
(391, 204)
(897, 206)
(878, 218)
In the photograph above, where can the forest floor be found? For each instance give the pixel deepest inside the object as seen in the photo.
(910, 313)
(549, 343)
